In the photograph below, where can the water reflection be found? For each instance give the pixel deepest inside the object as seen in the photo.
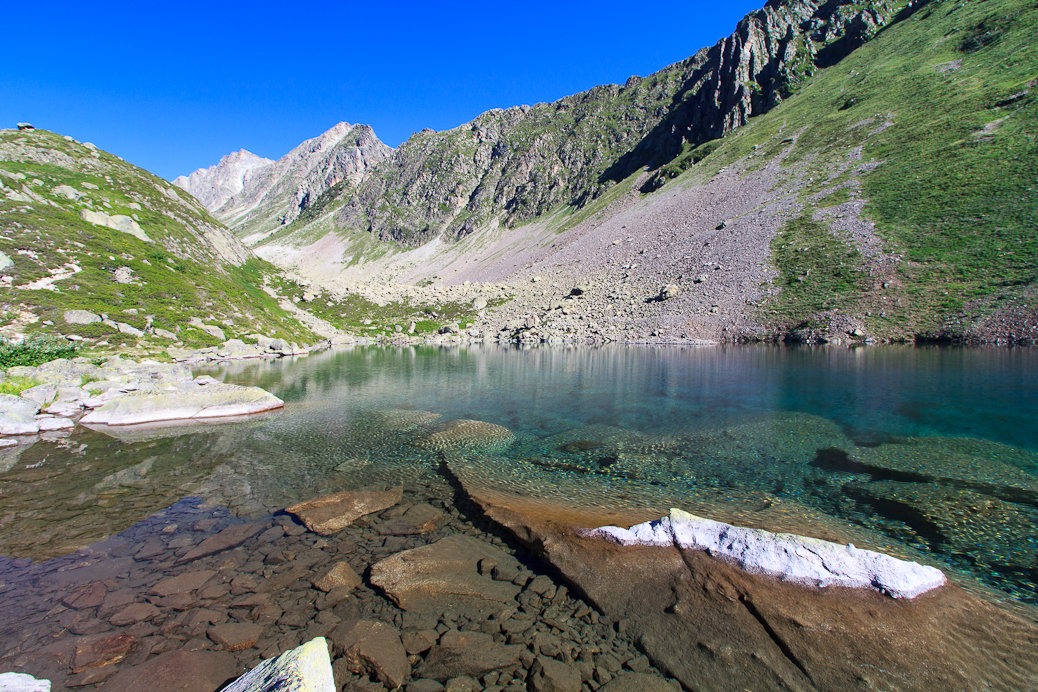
(928, 451)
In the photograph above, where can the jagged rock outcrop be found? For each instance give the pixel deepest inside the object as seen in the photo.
(516, 164)
(215, 185)
(274, 195)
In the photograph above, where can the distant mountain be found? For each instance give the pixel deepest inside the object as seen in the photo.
(215, 185)
(831, 170)
(96, 249)
(273, 194)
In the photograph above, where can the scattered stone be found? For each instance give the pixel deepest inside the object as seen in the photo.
(87, 596)
(183, 671)
(102, 650)
(134, 613)
(640, 682)
(80, 317)
(235, 636)
(418, 519)
(373, 648)
(183, 583)
(422, 578)
(339, 576)
(304, 669)
(331, 513)
(549, 675)
(231, 537)
(474, 658)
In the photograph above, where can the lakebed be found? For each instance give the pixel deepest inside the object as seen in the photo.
(925, 454)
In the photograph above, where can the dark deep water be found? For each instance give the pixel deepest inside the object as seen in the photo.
(933, 451)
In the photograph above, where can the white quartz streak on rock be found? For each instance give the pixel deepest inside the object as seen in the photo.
(798, 559)
(304, 669)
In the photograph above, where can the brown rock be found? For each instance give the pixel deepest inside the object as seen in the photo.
(640, 682)
(418, 519)
(134, 613)
(330, 513)
(235, 636)
(182, 583)
(418, 642)
(549, 675)
(87, 596)
(422, 578)
(231, 537)
(177, 671)
(341, 575)
(702, 619)
(102, 650)
(474, 658)
(373, 648)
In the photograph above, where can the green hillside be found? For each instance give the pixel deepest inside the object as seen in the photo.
(81, 229)
(934, 124)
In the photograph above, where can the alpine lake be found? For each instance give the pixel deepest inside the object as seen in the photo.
(929, 454)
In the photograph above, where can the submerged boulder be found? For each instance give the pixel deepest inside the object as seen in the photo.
(330, 513)
(468, 434)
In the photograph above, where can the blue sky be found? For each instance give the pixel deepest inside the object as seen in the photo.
(173, 87)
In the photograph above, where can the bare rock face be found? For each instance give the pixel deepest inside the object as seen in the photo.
(701, 618)
(330, 513)
(274, 193)
(215, 185)
(422, 578)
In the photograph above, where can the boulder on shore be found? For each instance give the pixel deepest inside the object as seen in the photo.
(304, 669)
(184, 401)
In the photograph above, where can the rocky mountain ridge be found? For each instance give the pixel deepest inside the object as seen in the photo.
(274, 195)
(215, 185)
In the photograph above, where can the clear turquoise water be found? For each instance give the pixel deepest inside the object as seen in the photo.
(929, 453)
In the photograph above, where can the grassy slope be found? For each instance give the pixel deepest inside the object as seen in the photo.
(954, 192)
(178, 276)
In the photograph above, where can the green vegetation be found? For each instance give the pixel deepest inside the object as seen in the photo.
(818, 272)
(180, 275)
(363, 317)
(34, 350)
(945, 102)
(16, 385)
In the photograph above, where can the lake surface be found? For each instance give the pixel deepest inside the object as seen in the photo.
(931, 453)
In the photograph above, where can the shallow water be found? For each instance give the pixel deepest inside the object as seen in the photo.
(929, 453)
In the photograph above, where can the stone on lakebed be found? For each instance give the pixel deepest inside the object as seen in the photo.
(330, 513)
(788, 557)
(186, 401)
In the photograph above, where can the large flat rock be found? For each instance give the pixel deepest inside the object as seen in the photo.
(713, 625)
(789, 557)
(331, 513)
(446, 574)
(185, 401)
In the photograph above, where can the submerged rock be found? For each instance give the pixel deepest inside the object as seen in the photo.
(304, 669)
(186, 401)
(462, 434)
(422, 578)
(792, 558)
(184, 671)
(330, 513)
(373, 648)
(700, 618)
